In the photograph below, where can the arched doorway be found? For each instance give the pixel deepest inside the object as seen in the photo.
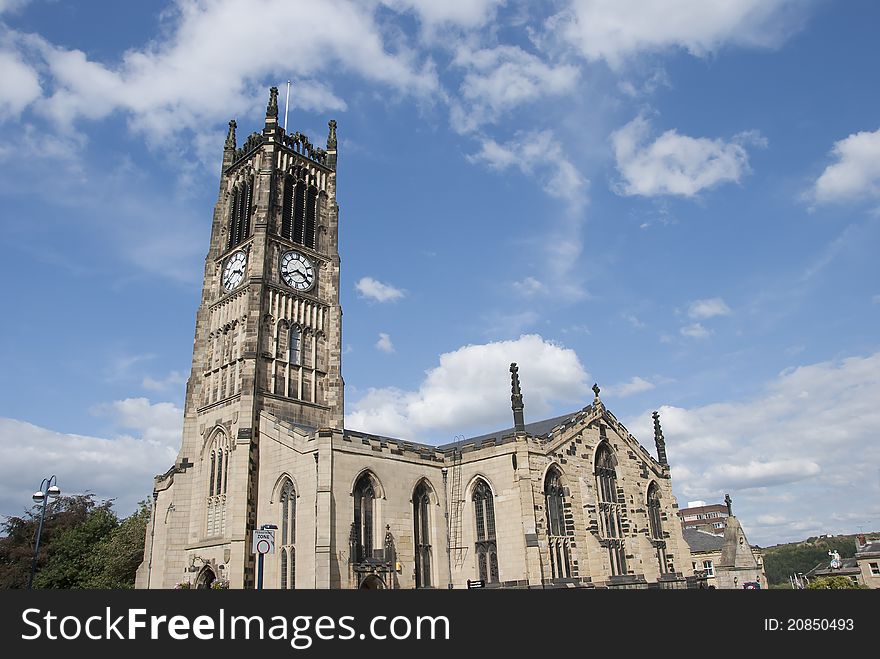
(372, 582)
(206, 578)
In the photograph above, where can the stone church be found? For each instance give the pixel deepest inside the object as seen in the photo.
(573, 501)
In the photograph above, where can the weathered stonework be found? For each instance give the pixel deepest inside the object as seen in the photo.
(256, 420)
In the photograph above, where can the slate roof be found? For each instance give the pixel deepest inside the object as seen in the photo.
(702, 541)
(536, 429)
(873, 547)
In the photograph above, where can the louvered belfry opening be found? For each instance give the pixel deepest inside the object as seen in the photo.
(299, 209)
(240, 213)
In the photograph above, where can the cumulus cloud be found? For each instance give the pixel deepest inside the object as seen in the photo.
(675, 164)
(469, 391)
(168, 85)
(614, 30)
(372, 289)
(501, 78)
(19, 84)
(120, 467)
(708, 308)
(804, 445)
(384, 343)
(856, 172)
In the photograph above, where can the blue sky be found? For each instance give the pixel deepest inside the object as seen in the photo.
(676, 200)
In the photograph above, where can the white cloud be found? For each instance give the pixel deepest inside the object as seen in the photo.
(173, 380)
(122, 467)
(189, 77)
(375, 290)
(695, 331)
(636, 385)
(384, 343)
(529, 286)
(808, 435)
(675, 164)
(11, 5)
(19, 84)
(708, 308)
(462, 13)
(501, 78)
(154, 422)
(470, 389)
(856, 174)
(536, 153)
(614, 30)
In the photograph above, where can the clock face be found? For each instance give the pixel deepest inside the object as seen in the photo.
(233, 273)
(297, 271)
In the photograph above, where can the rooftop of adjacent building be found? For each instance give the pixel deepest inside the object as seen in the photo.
(701, 541)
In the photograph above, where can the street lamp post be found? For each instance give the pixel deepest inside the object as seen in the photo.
(47, 488)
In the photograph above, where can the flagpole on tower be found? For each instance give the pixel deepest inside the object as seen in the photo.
(286, 105)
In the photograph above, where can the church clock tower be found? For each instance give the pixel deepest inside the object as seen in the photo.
(268, 339)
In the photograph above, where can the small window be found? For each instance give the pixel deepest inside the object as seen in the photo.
(875, 569)
(709, 567)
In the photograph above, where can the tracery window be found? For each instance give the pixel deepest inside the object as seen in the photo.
(364, 518)
(218, 465)
(558, 541)
(287, 536)
(422, 535)
(485, 549)
(610, 527)
(655, 523)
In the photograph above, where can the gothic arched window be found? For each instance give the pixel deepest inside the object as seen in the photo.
(217, 476)
(485, 548)
(557, 537)
(609, 509)
(287, 538)
(240, 212)
(655, 524)
(422, 535)
(364, 500)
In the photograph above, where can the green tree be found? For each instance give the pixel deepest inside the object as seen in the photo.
(834, 583)
(70, 564)
(116, 558)
(83, 545)
(17, 545)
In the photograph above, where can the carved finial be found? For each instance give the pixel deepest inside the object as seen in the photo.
(230, 136)
(516, 399)
(331, 138)
(659, 440)
(729, 503)
(596, 390)
(272, 108)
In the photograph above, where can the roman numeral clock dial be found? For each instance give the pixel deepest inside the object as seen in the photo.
(297, 271)
(233, 273)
